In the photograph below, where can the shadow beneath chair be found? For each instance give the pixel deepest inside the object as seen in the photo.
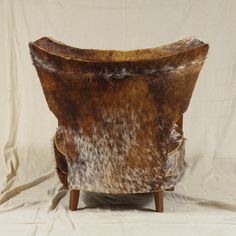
(116, 208)
(117, 202)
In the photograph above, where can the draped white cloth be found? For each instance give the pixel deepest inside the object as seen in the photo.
(32, 201)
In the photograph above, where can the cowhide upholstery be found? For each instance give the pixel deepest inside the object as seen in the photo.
(117, 112)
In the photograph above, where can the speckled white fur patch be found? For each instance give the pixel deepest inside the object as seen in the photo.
(101, 154)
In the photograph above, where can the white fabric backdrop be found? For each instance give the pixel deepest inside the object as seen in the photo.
(204, 202)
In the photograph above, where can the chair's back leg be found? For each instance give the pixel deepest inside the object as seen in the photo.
(74, 199)
(159, 201)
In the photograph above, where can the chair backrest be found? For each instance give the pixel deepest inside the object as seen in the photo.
(116, 109)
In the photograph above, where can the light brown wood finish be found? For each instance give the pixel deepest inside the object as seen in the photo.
(159, 203)
(74, 199)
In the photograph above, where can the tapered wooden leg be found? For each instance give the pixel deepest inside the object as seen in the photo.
(74, 199)
(158, 197)
(170, 189)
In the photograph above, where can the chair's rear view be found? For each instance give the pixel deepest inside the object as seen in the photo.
(116, 110)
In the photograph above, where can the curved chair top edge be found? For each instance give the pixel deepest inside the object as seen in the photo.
(56, 48)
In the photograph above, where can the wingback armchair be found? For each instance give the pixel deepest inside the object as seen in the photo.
(120, 114)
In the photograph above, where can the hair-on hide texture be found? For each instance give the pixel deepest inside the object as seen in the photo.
(174, 169)
(117, 112)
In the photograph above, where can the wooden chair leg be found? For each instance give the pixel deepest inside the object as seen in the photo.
(158, 197)
(74, 199)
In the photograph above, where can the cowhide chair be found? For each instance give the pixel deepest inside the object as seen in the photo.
(119, 114)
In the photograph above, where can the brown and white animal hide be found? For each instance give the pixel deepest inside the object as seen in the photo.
(117, 112)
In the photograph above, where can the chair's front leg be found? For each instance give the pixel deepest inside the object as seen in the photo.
(74, 199)
(159, 201)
